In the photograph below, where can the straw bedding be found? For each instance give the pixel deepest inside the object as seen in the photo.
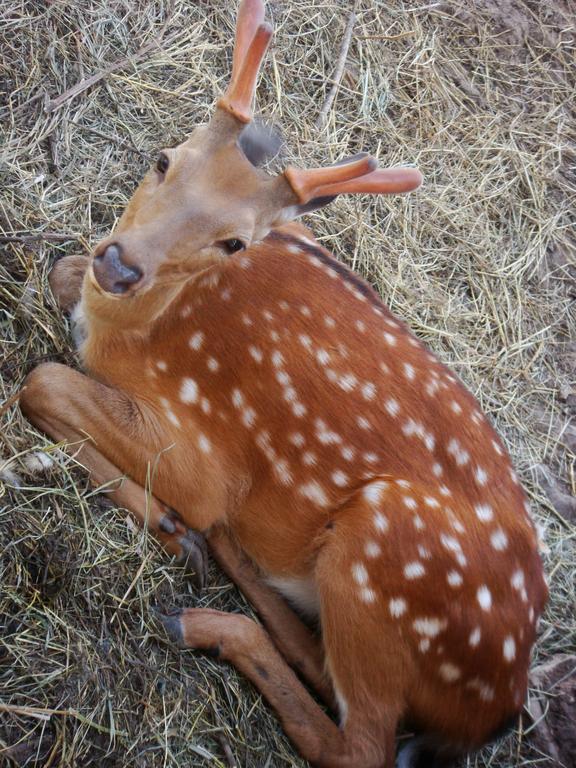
(480, 263)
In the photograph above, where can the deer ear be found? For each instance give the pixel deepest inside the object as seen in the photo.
(260, 143)
(311, 205)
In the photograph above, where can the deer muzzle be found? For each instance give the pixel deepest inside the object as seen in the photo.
(111, 271)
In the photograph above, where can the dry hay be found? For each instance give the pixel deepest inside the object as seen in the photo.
(479, 262)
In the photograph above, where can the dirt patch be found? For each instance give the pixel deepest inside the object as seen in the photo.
(553, 711)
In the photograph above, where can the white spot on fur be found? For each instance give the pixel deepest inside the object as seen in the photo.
(409, 371)
(368, 391)
(347, 453)
(484, 512)
(309, 459)
(460, 455)
(437, 469)
(509, 649)
(424, 553)
(282, 471)
(449, 672)
(392, 406)
(409, 502)
(314, 492)
(499, 540)
(277, 359)
(484, 597)
(454, 579)
(367, 595)
(429, 626)
(249, 417)
(340, 478)
(170, 415)
(373, 492)
(237, 398)
(372, 549)
(475, 637)
(481, 476)
(213, 364)
(196, 340)
(380, 522)
(347, 382)
(485, 691)
(359, 574)
(414, 570)
(204, 444)
(256, 353)
(297, 439)
(325, 435)
(299, 410)
(397, 607)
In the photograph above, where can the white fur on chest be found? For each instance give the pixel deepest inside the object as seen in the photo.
(301, 592)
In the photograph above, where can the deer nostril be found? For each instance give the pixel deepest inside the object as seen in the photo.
(112, 273)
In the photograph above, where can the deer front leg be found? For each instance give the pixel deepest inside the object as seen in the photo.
(66, 280)
(93, 418)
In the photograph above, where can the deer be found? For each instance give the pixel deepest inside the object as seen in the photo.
(251, 394)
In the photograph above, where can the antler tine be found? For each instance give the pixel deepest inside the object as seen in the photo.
(383, 181)
(252, 39)
(310, 183)
(250, 17)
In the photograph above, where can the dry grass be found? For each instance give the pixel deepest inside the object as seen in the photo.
(480, 263)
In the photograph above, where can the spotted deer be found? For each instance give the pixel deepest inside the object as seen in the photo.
(324, 453)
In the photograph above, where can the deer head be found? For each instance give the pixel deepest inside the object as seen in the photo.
(207, 198)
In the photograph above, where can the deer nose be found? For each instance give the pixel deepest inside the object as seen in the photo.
(112, 274)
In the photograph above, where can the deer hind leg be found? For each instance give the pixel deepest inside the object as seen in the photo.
(297, 644)
(242, 642)
(71, 407)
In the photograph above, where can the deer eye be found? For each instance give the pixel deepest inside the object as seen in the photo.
(233, 245)
(162, 163)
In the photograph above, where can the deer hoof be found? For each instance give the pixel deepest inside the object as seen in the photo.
(172, 625)
(194, 557)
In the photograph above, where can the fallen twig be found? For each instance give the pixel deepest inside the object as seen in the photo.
(29, 238)
(88, 82)
(338, 72)
(10, 402)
